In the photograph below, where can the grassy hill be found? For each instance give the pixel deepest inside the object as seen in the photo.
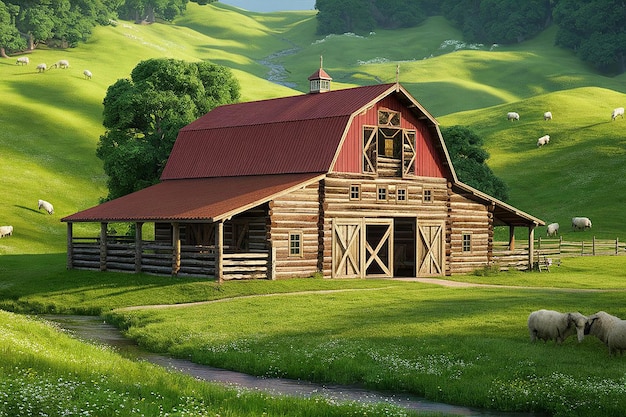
(51, 121)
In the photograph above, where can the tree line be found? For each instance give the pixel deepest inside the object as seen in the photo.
(64, 23)
(594, 29)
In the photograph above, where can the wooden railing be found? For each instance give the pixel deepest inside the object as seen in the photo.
(157, 258)
(553, 248)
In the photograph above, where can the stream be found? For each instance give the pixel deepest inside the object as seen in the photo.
(95, 330)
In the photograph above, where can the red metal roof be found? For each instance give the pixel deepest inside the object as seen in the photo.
(207, 199)
(320, 74)
(284, 135)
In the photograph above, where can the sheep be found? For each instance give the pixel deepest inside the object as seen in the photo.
(41, 67)
(512, 115)
(23, 60)
(6, 231)
(617, 112)
(553, 325)
(545, 139)
(581, 223)
(609, 329)
(87, 74)
(547, 115)
(61, 64)
(553, 229)
(46, 206)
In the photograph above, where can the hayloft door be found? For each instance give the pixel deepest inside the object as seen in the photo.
(378, 247)
(347, 258)
(430, 249)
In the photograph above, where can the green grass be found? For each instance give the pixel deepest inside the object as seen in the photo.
(467, 346)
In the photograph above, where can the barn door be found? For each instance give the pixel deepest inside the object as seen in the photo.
(347, 257)
(430, 249)
(379, 248)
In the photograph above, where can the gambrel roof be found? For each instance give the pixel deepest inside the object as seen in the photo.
(248, 153)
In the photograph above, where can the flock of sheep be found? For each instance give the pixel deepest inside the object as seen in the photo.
(42, 204)
(578, 223)
(64, 64)
(553, 325)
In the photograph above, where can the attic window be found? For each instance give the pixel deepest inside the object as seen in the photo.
(388, 118)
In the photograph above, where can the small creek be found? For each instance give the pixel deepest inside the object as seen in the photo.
(95, 330)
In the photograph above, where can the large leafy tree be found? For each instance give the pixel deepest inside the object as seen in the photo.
(469, 161)
(142, 116)
(10, 38)
(595, 29)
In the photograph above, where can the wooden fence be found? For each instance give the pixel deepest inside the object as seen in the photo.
(554, 249)
(157, 258)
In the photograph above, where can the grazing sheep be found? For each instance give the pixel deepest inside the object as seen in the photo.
(41, 67)
(61, 64)
(512, 115)
(46, 206)
(553, 325)
(553, 229)
(547, 115)
(581, 223)
(543, 140)
(87, 74)
(617, 112)
(609, 329)
(23, 60)
(6, 231)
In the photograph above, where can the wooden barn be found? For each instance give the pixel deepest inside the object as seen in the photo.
(347, 183)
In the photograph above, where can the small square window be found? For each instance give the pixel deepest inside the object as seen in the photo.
(467, 242)
(428, 196)
(401, 194)
(295, 244)
(355, 192)
(382, 194)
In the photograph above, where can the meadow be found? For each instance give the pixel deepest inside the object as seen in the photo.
(459, 345)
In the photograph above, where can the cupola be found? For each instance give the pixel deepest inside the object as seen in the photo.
(319, 80)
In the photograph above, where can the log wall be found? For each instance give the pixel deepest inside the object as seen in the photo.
(299, 212)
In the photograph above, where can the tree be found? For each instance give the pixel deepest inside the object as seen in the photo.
(469, 161)
(10, 39)
(143, 114)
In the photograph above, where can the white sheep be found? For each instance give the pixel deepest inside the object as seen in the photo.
(6, 231)
(553, 229)
(61, 64)
(41, 67)
(609, 329)
(553, 325)
(87, 74)
(46, 206)
(545, 139)
(547, 115)
(23, 60)
(617, 112)
(581, 223)
(512, 115)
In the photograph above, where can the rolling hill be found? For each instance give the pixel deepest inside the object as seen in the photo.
(51, 121)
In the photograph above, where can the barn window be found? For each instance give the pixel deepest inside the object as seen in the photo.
(428, 196)
(382, 193)
(467, 242)
(295, 244)
(388, 118)
(401, 194)
(355, 192)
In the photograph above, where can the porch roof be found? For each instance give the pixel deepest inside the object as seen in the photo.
(195, 200)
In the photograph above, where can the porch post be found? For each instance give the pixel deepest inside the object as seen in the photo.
(138, 246)
(103, 246)
(176, 248)
(70, 246)
(531, 247)
(219, 252)
(511, 238)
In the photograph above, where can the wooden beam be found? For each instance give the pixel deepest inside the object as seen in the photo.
(219, 252)
(175, 248)
(138, 246)
(70, 246)
(103, 246)
(511, 237)
(531, 247)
